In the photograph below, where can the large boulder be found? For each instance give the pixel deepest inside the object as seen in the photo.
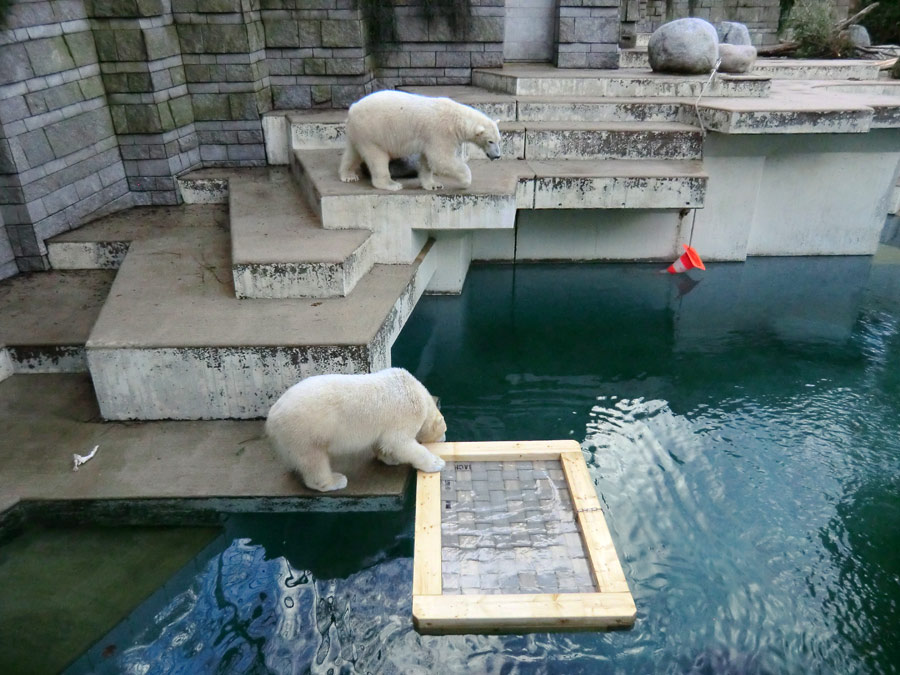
(858, 36)
(736, 58)
(688, 46)
(733, 33)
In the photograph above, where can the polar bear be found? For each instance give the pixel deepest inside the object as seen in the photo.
(392, 124)
(388, 413)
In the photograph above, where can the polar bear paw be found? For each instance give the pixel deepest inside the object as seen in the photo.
(338, 482)
(349, 177)
(431, 185)
(431, 465)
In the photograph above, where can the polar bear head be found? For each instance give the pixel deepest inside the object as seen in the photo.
(434, 429)
(486, 135)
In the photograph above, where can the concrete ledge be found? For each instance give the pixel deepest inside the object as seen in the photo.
(204, 186)
(278, 249)
(617, 184)
(498, 106)
(47, 318)
(817, 69)
(156, 472)
(567, 109)
(103, 243)
(547, 81)
(612, 140)
(491, 202)
(172, 341)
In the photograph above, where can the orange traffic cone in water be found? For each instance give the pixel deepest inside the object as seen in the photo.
(688, 260)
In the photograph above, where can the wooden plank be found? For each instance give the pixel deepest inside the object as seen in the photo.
(601, 550)
(427, 542)
(502, 450)
(522, 613)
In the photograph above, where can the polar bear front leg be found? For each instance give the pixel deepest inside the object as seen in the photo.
(453, 167)
(404, 450)
(426, 175)
(350, 164)
(378, 162)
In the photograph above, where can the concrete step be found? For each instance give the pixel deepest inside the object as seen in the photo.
(781, 69)
(204, 186)
(612, 140)
(47, 317)
(618, 184)
(634, 58)
(278, 248)
(604, 109)
(173, 342)
(103, 243)
(546, 81)
(498, 190)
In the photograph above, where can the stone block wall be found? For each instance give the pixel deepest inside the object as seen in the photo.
(104, 102)
(432, 50)
(59, 156)
(587, 34)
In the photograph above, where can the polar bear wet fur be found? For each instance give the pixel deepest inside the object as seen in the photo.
(392, 124)
(388, 414)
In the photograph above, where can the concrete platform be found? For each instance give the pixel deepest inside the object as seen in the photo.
(278, 248)
(47, 317)
(537, 79)
(103, 243)
(151, 472)
(612, 140)
(172, 341)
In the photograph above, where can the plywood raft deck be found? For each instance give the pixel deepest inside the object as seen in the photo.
(510, 537)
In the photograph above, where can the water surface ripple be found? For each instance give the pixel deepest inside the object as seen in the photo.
(744, 437)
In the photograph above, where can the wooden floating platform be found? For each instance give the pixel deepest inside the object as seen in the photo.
(510, 537)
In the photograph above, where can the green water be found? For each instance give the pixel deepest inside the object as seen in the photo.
(743, 433)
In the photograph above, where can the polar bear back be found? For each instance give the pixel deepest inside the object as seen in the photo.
(404, 124)
(349, 413)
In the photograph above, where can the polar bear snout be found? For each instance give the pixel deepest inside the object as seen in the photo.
(492, 150)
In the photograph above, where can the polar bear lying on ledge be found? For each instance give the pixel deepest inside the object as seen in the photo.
(392, 124)
(388, 413)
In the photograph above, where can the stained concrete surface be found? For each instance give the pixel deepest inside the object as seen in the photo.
(226, 465)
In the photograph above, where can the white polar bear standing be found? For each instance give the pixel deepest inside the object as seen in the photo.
(393, 124)
(388, 413)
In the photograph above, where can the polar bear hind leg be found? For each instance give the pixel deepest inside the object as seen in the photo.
(397, 449)
(378, 162)
(314, 467)
(350, 164)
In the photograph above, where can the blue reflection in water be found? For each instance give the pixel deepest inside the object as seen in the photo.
(744, 438)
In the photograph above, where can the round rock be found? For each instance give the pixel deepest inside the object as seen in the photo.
(858, 36)
(733, 33)
(736, 58)
(688, 46)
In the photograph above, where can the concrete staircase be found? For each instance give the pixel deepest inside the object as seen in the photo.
(267, 276)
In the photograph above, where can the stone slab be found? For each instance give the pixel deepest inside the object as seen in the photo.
(278, 248)
(817, 69)
(154, 472)
(618, 184)
(547, 81)
(202, 353)
(490, 202)
(47, 317)
(103, 243)
(204, 186)
(597, 109)
(612, 140)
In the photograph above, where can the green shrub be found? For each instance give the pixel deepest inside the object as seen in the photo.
(811, 25)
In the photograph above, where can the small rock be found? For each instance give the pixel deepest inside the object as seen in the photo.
(858, 36)
(733, 33)
(736, 58)
(688, 46)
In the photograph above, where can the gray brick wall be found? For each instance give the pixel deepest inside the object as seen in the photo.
(587, 34)
(56, 131)
(8, 265)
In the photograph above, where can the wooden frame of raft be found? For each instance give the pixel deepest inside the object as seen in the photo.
(611, 606)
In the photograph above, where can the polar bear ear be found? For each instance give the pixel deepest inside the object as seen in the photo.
(479, 130)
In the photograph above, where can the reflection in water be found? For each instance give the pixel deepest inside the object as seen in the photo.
(744, 439)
